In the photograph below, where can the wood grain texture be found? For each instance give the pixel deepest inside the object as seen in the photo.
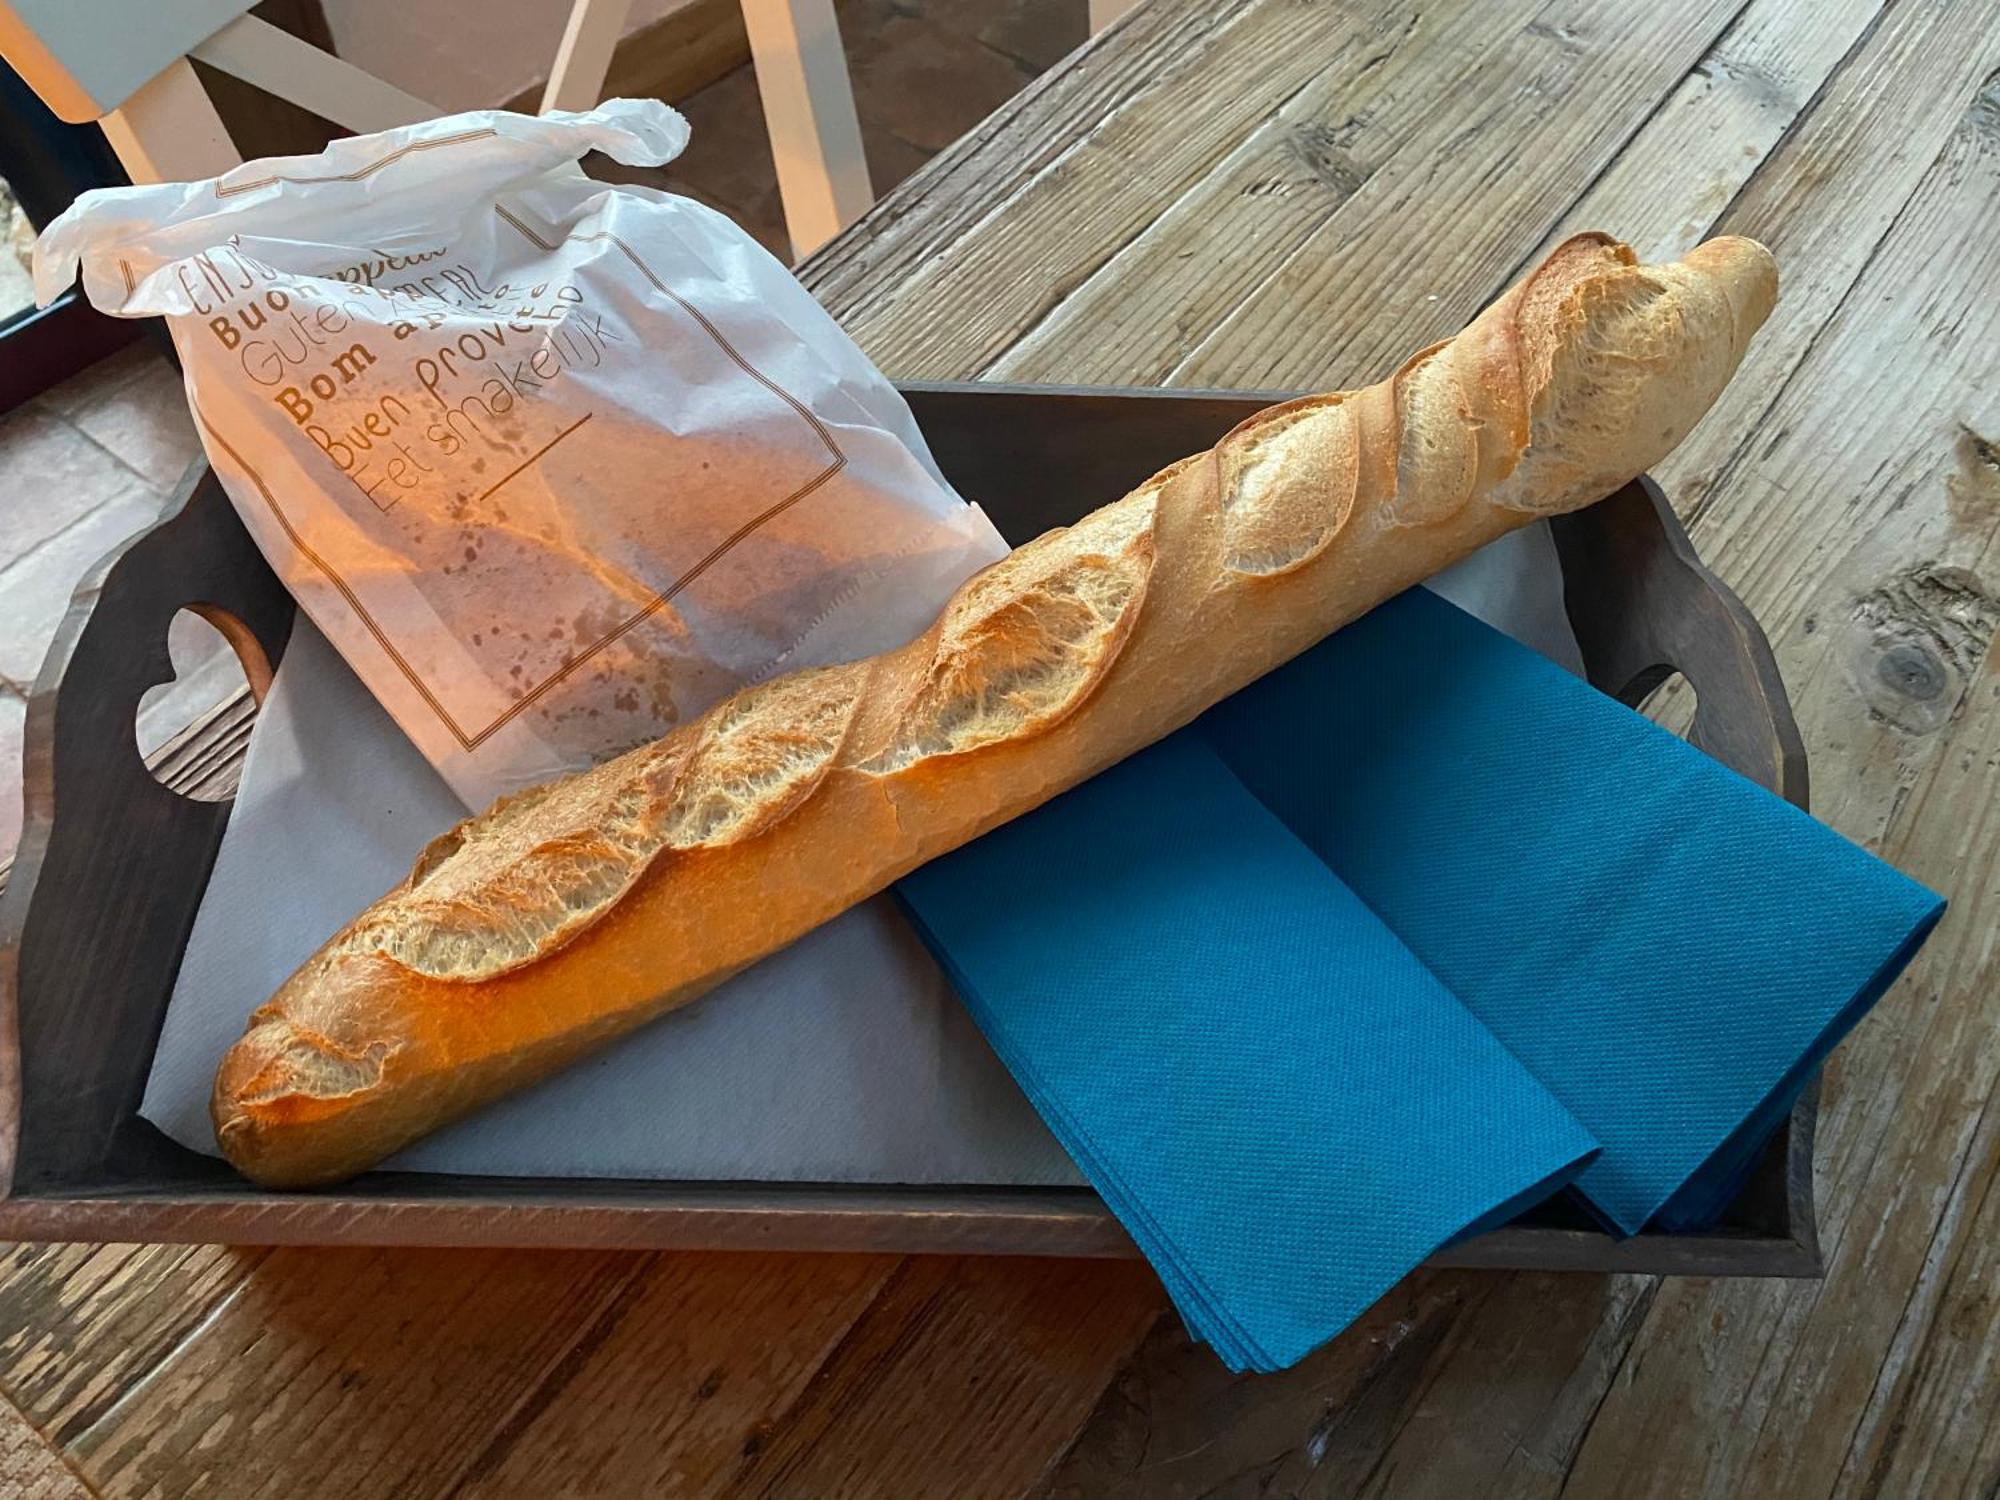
(671, 1393)
(1286, 178)
(965, 1378)
(1215, 70)
(1351, 201)
(31, 1467)
(1413, 1382)
(1828, 194)
(81, 1324)
(1232, 192)
(362, 1372)
(1405, 263)
(1032, 140)
(1674, 179)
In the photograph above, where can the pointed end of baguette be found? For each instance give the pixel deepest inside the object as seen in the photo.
(1621, 360)
(276, 1089)
(1745, 272)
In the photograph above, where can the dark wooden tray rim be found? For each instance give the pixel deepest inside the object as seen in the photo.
(97, 913)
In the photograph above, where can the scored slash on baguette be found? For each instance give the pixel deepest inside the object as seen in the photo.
(563, 917)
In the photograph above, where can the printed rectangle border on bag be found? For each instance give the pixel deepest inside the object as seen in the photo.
(471, 740)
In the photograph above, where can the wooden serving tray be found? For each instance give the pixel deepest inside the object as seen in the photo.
(112, 866)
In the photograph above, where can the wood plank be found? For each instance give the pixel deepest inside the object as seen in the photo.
(965, 1378)
(947, 316)
(1426, 241)
(1854, 165)
(1136, 317)
(82, 1324)
(352, 1372)
(1682, 171)
(727, 1342)
(1470, 1428)
(1824, 201)
(1709, 1383)
(1723, 1356)
(1845, 525)
(205, 759)
(31, 1467)
(1936, 1429)
(1027, 138)
(1299, 178)
(1406, 1401)
(1852, 545)
(1141, 312)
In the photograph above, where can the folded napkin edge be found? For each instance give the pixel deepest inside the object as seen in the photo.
(1201, 1310)
(1695, 1204)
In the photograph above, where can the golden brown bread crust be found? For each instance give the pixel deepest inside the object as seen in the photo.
(567, 915)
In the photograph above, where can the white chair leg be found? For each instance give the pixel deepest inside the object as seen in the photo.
(809, 110)
(576, 79)
(1104, 12)
(281, 64)
(169, 131)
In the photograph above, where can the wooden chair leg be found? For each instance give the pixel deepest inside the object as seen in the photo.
(169, 131)
(292, 69)
(809, 110)
(576, 79)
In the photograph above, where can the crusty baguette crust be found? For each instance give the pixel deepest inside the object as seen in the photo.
(565, 916)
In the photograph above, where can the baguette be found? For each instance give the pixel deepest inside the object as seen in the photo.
(567, 915)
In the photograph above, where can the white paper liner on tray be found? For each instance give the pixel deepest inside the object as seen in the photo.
(844, 1059)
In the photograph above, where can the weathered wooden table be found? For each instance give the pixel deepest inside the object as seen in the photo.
(1270, 193)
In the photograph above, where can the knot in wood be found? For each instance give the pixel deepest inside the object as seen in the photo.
(1912, 671)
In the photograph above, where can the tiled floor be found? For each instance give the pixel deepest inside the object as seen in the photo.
(91, 462)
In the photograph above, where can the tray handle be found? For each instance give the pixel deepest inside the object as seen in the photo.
(100, 969)
(1643, 606)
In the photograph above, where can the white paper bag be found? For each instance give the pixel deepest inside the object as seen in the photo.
(553, 464)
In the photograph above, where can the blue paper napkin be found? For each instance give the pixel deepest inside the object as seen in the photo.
(1284, 1108)
(1666, 946)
